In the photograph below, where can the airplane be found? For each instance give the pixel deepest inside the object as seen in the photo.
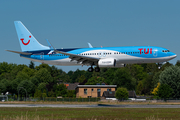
(112, 57)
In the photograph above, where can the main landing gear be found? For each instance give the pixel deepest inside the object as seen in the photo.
(90, 69)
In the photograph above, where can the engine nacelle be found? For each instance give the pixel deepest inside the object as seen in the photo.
(109, 62)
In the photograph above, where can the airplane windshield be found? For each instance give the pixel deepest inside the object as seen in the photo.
(165, 51)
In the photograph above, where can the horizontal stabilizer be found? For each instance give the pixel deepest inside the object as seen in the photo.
(24, 53)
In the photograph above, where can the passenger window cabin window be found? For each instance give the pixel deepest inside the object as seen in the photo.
(109, 89)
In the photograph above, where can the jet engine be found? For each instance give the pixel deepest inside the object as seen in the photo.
(109, 62)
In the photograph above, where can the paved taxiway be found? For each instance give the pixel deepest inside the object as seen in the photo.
(89, 106)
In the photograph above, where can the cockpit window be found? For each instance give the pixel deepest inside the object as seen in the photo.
(165, 51)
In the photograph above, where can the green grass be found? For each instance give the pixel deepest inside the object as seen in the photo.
(89, 113)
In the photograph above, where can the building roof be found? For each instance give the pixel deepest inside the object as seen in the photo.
(96, 86)
(72, 86)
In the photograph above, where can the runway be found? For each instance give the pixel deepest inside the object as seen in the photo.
(89, 106)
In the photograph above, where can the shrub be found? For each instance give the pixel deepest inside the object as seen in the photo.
(121, 93)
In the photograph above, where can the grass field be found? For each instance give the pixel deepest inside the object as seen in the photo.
(89, 113)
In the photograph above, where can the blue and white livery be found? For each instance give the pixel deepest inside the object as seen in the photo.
(99, 57)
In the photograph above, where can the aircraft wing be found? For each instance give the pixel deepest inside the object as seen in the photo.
(85, 60)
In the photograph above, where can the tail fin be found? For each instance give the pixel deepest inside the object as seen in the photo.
(27, 41)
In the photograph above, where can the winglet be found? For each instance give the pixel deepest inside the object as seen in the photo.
(90, 46)
(49, 44)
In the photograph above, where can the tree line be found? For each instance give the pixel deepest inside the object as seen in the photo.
(43, 80)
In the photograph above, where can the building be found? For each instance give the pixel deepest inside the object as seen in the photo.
(108, 94)
(85, 91)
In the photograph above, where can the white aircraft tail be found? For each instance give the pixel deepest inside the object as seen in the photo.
(27, 41)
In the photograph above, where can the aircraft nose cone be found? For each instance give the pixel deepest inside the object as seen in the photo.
(173, 55)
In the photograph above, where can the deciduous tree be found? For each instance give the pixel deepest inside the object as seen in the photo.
(43, 76)
(123, 78)
(28, 86)
(171, 76)
(164, 91)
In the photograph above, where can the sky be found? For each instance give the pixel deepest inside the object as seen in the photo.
(106, 23)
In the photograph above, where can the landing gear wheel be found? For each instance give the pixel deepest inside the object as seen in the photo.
(90, 69)
(97, 69)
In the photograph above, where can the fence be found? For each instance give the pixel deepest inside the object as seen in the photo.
(3, 97)
(54, 99)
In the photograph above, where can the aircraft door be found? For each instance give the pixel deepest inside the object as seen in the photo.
(155, 52)
(42, 56)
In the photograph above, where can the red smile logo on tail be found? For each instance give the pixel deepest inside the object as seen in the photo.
(23, 41)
